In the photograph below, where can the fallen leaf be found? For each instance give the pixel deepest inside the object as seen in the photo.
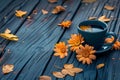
(104, 18)
(44, 11)
(44, 77)
(70, 70)
(109, 40)
(58, 9)
(92, 18)
(100, 65)
(58, 74)
(20, 13)
(116, 45)
(7, 68)
(35, 11)
(7, 31)
(109, 7)
(68, 66)
(65, 24)
(9, 36)
(52, 1)
(29, 17)
(88, 1)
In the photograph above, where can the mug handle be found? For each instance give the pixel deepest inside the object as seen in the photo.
(110, 34)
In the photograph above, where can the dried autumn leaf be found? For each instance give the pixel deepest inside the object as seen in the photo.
(58, 74)
(100, 65)
(9, 36)
(109, 40)
(70, 70)
(7, 68)
(44, 11)
(65, 24)
(68, 66)
(65, 72)
(116, 45)
(52, 1)
(88, 1)
(45, 77)
(58, 9)
(92, 18)
(7, 31)
(109, 7)
(20, 13)
(104, 18)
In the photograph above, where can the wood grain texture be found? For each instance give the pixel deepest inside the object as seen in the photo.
(32, 55)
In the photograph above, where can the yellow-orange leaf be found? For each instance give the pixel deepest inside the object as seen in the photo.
(58, 74)
(7, 31)
(116, 45)
(52, 1)
(45, 77)
(88, 1)
(70, 70)
(100, 65)
(92, 18)
(104, 18)
(9, 36)
(109, 7)
(20, 13)
(109, 40)
(7, 68)
(68, 66)
(58, 9)
(44, 11)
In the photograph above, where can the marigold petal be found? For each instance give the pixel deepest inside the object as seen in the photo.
(83, 61)
(56, 54)
(92, 57)
(88, 60)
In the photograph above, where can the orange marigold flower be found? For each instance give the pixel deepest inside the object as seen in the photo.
(61, 50)
(75, 41)
(116, 45)
(65, 24)
(20, 13)
(58, 9)
(86, 54)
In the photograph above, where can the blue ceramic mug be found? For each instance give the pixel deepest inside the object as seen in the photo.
(97, 34)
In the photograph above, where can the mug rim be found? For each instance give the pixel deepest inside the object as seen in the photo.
(105, 29)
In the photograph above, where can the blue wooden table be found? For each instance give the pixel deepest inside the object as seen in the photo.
(32, 55)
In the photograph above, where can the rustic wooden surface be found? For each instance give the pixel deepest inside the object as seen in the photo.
(32, 55)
